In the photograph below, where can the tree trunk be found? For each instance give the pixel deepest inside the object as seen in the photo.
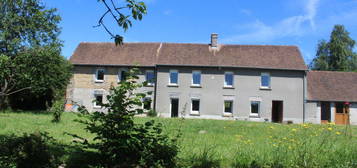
(2, 102)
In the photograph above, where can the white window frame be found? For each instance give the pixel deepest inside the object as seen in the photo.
(96, 75)
(225, 82)
(250, 107)
(195, 112)
(120, 73)
(173, 71)
(146, 77)
(226, 114)
(193, 72)
(95, 97)
(261, 81)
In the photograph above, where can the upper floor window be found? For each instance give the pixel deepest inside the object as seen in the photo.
(228, 79)
(150, 77)
(196, 78)
(265, 80)
(99, 75)
(122, 75)
(173, 77)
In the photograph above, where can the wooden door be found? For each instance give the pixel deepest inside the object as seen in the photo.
(342, 113)
(277, 111)
(325, 112)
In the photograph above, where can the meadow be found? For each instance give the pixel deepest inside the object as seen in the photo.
(218, 143)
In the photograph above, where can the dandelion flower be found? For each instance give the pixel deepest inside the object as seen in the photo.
(338, 133)
(329, 128)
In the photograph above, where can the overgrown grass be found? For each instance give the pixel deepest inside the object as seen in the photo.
(230, 143)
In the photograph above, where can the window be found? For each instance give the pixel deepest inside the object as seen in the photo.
(339, 107)
(265, 80)
(196, 78)
(147, 103)
(254, 108)
(228, 106)
(173, 77)
(99, 75)
(98, 99)
(228, 79)
(122, 74)
(150, 77)
(195, 106)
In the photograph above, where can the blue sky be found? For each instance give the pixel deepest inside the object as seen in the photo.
(274, 22)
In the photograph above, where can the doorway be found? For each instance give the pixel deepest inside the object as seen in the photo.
(325, 112)
(342, 113)
(174, 107)
(277, 111)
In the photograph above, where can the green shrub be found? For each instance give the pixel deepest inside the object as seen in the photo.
(152, 113)
(27, 151)
(57, 110)
(120, 141)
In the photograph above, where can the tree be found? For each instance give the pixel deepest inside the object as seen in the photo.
(27, 27)
(132, 10)
(119, 140)
(337, 54)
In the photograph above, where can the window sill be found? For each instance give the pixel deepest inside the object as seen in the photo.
(228, 87)
(227, 114)
(265, 88)
(195, 113)
(254, 116)
(196, 86)
(99, 81)
(172, 85)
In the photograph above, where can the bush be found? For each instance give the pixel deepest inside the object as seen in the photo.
(120, 141)
(27, 151)
(152, 113)
(57, 110)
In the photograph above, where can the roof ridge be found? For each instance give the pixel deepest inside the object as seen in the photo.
(332, 71)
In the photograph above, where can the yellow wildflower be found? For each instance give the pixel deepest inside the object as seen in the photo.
(329, 128)
(294, 130)
(271, 127)
(338, 133)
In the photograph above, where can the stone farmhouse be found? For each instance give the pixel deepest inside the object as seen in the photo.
(217, 81)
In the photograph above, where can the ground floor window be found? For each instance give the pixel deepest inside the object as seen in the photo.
(147, 103)
(98, 100)
(254, 108)
(195, 106)
(228, 106)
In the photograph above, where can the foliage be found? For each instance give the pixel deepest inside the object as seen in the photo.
(205, 158)
(57, 110)
(26, 24)
(337, 54)
(120, 141)
(123, 16)
(152, 113)
(30, 53)
(45, 71)
(27, 151)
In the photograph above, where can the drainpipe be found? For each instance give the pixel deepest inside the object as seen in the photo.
(155, 87)
(304, 97)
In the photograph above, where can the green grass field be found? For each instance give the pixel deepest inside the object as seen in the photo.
(225, 140)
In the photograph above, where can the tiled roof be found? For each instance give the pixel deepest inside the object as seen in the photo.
(332, 86)
(151, 54)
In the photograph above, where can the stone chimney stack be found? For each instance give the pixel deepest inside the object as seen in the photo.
(214, 40)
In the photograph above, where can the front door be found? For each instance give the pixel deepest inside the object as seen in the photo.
(174, 107)
(342, 113)
(277, 111)
(325, 112)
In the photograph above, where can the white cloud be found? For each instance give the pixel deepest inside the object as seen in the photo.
(246, 12)
(290, 26)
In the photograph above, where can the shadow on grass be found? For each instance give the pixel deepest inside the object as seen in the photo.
(13, 149)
